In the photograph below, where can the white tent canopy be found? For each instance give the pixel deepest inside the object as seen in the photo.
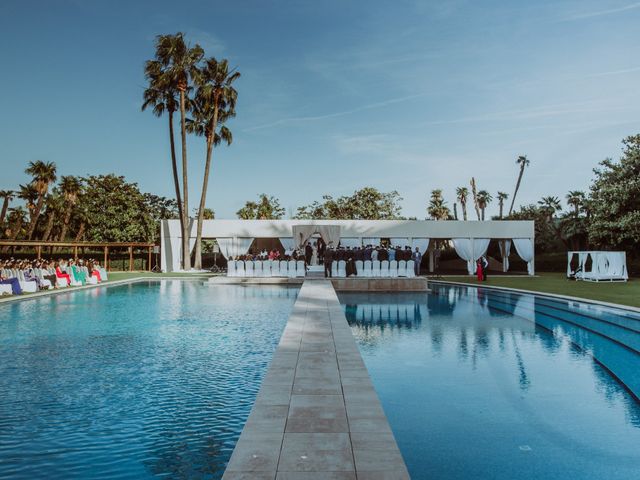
(604, 266)
(235, 236)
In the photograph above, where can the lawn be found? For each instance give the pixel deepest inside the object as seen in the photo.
(622, 293)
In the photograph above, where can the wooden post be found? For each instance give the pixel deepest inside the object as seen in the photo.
(149, 261)
(39, 250)
(131, 259)
(106, 258)
(75, 253)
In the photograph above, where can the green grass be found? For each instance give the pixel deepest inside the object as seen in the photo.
(622, 293)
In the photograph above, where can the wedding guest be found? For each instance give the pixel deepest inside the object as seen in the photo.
(417, 258)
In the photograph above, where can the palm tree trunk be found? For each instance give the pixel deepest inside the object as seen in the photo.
(501, 205)
(80, 232)
(186, 254)
(36, 215)
(174, 166)
(482, 209)
(5, 207)
(203, 195)
(464, 210)
(455, 211)
(513, 200)
(49, 227)
(65, 224)
(475, 197)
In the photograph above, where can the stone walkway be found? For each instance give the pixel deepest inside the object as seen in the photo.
(317, 416)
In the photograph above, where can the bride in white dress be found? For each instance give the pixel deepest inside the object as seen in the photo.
(314, 255)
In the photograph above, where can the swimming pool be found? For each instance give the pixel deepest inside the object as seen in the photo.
(479, 383)
(142, 380)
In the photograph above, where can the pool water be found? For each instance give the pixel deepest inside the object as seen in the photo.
(478, 383)
(152, 379)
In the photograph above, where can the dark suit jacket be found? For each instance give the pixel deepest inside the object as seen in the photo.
(367, 253)
(328, 256)
(383, 254)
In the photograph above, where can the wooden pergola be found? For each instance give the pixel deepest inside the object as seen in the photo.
(78, 245)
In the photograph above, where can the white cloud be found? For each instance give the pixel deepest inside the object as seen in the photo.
(599, 13)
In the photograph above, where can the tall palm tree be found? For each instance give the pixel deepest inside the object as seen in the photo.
(484, 199)
(550, 205)
(44, 174)
(161, 96)
(29, 195)
(501, 198)
(71, 187)
(475, 197)
(16, 219)
(214, 103)
(437, 208)
(7, 196)
(179, 62)
(576, 199)
(461, 194)
(523, 162)
(53, 207)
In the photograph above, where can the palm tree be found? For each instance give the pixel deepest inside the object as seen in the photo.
(437, 208)
(550, 205)
(54, 205)
(71, 188)
(501, 198)
(461, 194)
(475, 197)
(44, 174)
(179, 63)
(523, 162)
(213, 104)
(161, 95)
(576, 199)
(7, 196)
(16, 219)
(29, 194)
(484, 198)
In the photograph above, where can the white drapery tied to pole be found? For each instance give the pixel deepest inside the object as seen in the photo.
(524, 247)
(505, 251)
(470, 251)
(329, 233)
(421, 243)
(287, 243)
(234, 247)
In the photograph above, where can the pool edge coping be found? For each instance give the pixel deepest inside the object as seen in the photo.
(544, 294)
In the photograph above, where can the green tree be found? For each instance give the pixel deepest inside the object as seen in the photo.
(524, 163)
(16, 220)
(550, 205)
(437, 208)
(501, 198)
(29, 194)
(44, 174)
(71, 188)
(7, 196)
(365, 204)
(213, 105)
(614, 202)
(54, 206)
(484, 198)
(266, 208)
(461, 194)
(180, 64)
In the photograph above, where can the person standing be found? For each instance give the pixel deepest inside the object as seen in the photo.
(417, 258)
(308, 253)
(485, 267)
(328, 260)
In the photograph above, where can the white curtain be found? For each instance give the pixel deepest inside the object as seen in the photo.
(375, 241)
(329, 233)
(421, 243)
(399, 241)
(230, 248)
(287, 243)
(470, 251)
(524, 247)
(350, 242)
(505, 250)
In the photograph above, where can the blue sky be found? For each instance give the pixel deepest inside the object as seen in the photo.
(334, 95)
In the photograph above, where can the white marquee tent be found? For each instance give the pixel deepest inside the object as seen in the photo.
(470, 238)
(604, 266)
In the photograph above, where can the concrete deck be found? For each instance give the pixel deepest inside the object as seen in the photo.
(317, 415)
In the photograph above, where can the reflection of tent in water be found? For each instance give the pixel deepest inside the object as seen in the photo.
(502, 304)
(407, 314)
(440, 303)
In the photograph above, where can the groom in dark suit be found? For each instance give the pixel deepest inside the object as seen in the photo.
(308, 253)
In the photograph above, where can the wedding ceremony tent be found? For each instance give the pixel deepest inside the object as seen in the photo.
(598, 266)
(469, 238)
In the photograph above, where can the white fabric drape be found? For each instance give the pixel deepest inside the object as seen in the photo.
(421, 243)
(350, 242)
(399, 241)
(524, 247)
(374, 241)
(329, 233)
(505, 251)
(230, 247)
(470, 251)
(287, 243)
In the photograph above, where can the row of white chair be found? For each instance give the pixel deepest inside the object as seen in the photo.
(293, 268)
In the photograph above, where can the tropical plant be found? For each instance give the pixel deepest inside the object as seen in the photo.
(29, 195)
(16, 219)
(266, 208)
(501, 198)
(214, 103)
(484, 198)
(475, 197)
(523, 162)
(576, 199)
(550, 205)
(179, 65)
(43, 174)
(461, 194)
(7, 196)
(70, 188)
(54, 206)
(437, 208)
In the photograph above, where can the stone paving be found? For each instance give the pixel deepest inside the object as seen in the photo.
(317, 415)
